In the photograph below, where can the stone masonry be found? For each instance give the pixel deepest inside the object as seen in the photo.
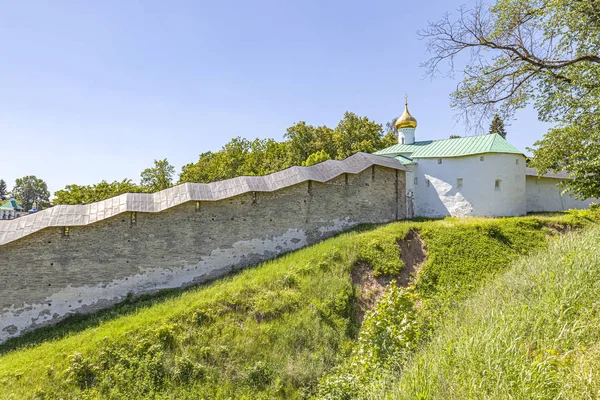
(55, 272)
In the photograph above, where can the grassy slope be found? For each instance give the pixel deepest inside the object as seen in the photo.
(532, 334)
(270, 331)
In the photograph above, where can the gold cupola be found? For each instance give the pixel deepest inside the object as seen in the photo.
(406, 120)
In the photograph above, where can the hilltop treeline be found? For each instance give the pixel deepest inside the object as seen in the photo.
(303, 144)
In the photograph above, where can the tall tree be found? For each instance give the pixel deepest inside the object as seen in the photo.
(304, 145)
(3, 189)
(158, 177)
(354, 134)
(497, 126)
(390, 126)
(540, 52)
(29, 190)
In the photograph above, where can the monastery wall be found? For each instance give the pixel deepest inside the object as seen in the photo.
(543, 195)
(48, 275)
(478, 195)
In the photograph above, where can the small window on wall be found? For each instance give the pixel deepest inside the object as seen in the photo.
(517, 161)
(497, 185)
(459, 183)
(439, 160)
(416, 181)
(481, 158)
(427, 182)
(402, 140)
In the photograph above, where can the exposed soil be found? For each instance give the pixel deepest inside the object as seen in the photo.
(413, 254)
(560, 229)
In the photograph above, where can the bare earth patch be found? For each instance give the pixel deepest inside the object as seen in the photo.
(413, 254)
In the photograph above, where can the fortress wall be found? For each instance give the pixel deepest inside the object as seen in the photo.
(543, 195)
(47, 276)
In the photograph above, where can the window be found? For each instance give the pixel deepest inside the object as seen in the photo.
(416, 181)
(497, 185)
(459, 183)
(427, 182)
(517, 161)
(439, 160)
(402, 140)
(481, 158)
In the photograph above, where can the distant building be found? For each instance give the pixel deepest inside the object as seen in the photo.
(11, 209)
(473, 176)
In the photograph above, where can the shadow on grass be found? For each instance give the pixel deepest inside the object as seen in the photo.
(79, 322)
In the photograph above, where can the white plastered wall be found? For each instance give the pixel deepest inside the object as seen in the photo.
(543, 194)
(478, 195)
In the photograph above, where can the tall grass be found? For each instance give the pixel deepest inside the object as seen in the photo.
(531, 334)
(268, 332)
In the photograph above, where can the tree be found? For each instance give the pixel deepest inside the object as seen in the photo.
(354, 134)
(455, 136)
(76, 194)
(304, 144)
(497, 126)
(390, 126)
(540, 52)
(159, 177)
(316, 158)
(29, 190)
(575, 149)
(3, 189)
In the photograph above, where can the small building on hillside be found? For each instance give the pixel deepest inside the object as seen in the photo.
(11, 209)
(472, 176)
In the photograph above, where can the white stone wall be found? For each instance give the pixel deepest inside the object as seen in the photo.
(478, 195)
(543, 194)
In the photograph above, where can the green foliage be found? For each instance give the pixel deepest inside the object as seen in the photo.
(272, 331)
(497, 126)
(304, 145)
(238, 157)
(574, 148)
(354, 134)
(76, 194)
(316, 158)
(381, 253)
(389, 335)
(31, 190)
(532, 334)
(159, 177)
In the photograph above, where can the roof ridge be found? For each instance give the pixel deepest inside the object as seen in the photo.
(85, 214)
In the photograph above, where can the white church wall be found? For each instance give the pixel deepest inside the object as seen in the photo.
(478, 195)
(543, 195)
(410, 190)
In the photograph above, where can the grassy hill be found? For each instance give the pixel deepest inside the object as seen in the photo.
(531, 334)
(288, 328)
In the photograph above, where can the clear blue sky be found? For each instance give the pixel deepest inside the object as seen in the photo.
(97, 90)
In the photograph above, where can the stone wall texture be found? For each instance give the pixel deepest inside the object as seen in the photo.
(48, 275)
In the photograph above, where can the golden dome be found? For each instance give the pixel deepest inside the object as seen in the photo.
(406, 120)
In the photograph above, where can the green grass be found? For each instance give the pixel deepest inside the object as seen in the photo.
(531, 334)
(268, 332)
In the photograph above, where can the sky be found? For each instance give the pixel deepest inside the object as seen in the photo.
(98, 90)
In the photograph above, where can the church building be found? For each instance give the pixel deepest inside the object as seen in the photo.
(472, 176)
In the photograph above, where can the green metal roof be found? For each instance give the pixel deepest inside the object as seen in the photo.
(11, 205)
(404, 160)
(452, 147)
